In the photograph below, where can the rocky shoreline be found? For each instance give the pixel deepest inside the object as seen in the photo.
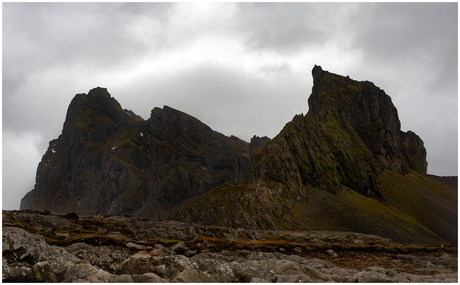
(41, 247)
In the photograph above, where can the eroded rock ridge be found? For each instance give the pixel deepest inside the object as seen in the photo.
(110, 161)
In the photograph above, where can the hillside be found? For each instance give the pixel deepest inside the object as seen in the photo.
(346, 165)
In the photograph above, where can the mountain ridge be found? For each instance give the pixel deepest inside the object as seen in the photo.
(348, 148)
(110, 161)
(340, 166)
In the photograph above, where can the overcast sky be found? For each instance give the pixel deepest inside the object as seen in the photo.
(244, 69)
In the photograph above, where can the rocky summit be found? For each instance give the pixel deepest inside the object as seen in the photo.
(41, 247)
(346, 165)
(110, 161)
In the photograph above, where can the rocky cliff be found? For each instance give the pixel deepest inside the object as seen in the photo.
(342, 166)
(110, 161)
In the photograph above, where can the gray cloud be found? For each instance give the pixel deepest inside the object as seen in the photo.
(242, 68)
(227, 100)
(291, 27)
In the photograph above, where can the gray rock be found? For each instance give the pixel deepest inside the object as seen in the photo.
(148, 278)
(124, 278)
(160, 250)
(24, 246)
(86, 272)
(136, 264)
(133, 245)
(190, 253)
(358, 242)
(17, 272)
(179, 248)
(300, 278)
(314, 274)
(285, 267)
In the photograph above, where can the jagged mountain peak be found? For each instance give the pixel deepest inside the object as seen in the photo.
(346, 165)
(110, 161)
(371, 113)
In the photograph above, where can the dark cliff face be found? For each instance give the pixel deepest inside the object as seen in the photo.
(413, 151)
(372, 115)
(349, 135)
(346, 165)
(110, 161)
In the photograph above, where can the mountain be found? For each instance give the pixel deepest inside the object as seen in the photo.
(111, 161)
(344, 166)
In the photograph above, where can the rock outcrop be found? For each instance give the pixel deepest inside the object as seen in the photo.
(371, 113)
(257, 144)
(40, 247)
(110, 161)
(338, 167)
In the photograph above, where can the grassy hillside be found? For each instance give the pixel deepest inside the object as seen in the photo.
(417, 210)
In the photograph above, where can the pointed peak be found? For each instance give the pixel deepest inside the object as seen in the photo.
(317, 71)
(99, 92)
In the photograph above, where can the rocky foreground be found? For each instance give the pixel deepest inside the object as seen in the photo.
(38, 246)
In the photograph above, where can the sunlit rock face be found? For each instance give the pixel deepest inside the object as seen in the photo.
(111, 161)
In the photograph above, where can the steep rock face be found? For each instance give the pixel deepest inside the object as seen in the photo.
(337, 168)
(372, 115)
(414, 152)
(110, 161)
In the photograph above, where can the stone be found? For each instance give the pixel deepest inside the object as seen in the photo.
(72, 216)
(179, 248)
(358, 242)
(291, 279)
(149, 278)
(331, 253)
(124, 278)
(136, 264)
(190, 253)
(89, 273)
(24, 246)
(133, 245)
